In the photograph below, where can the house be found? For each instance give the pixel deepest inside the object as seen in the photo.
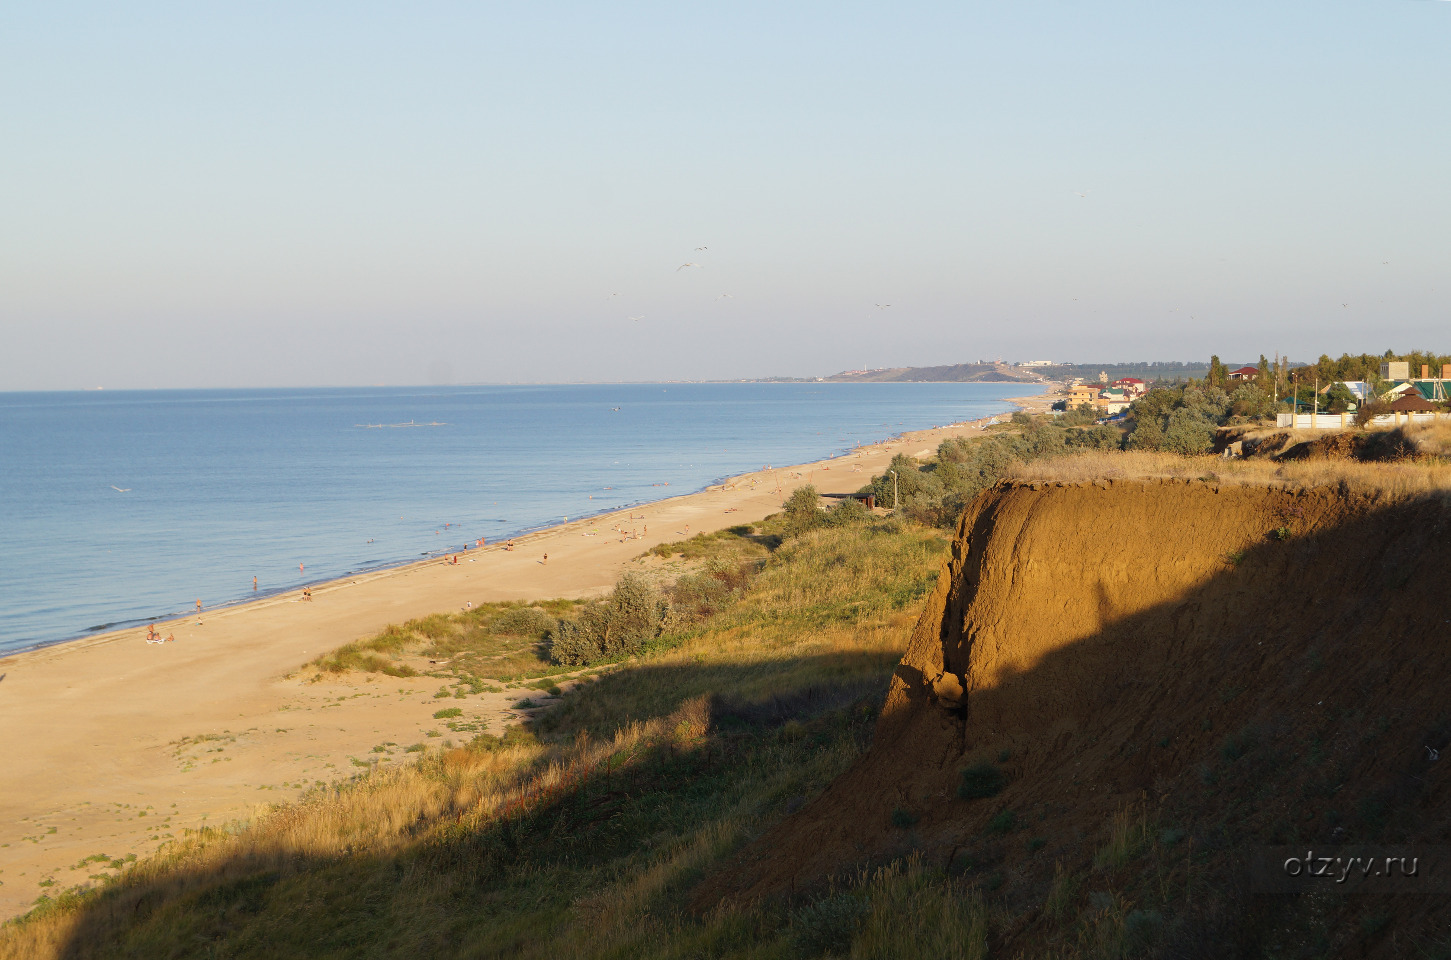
(1413, 402)
(1112, 400)
(1244, 373)
(1426, 389)
(1359, 389)
(1083, 393)
(1132, 387)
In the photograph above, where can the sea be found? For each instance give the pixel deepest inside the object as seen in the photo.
(122, 507)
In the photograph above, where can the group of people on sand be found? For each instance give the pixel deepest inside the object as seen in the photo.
(152, 636)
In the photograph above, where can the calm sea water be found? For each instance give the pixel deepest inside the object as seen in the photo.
(219, 486)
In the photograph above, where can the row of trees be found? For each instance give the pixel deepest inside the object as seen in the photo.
(935, 492)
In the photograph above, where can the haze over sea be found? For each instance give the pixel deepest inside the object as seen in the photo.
(125, 506)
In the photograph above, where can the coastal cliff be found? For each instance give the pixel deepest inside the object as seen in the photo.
(1252, 664)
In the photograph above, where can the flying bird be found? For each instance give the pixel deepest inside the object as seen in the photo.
(1084, 194)
(883, 306)
(119, 490)
(702, 248)
(608, 295)
(684, 265)
(640, 317)
(725, 296)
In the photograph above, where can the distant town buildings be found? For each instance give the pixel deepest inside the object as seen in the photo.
(1244, 373)
(1111, 398)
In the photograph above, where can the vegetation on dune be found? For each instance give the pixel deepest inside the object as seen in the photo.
(578, 834)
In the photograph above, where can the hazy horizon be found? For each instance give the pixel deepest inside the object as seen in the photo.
(365, 195)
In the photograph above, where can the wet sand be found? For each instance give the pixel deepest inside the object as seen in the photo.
(114, 745)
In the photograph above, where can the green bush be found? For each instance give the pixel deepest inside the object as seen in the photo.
(828, 925)
(633, 615)
(902, 819)
(847, 513)
(803, 511)
(981, 780)
(1095, 438)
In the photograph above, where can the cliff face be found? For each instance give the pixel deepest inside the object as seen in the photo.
(1100, 642)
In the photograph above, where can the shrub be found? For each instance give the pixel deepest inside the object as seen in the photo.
(1369, 410)
(522, 622)
(848, 512)
(981, 780)
(1095, 438)
(902, 819)
(828, 925)
(447, 713)
(802, 511)
(634, 614)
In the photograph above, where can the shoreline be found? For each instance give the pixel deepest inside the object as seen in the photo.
(120, 746)
(109, 631)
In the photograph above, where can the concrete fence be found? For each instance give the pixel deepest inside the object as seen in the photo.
(1343, 421)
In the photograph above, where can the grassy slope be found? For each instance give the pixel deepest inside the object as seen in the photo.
(576, 838)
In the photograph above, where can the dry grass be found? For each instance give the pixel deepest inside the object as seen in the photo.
(1388, 481)
(1432, 439)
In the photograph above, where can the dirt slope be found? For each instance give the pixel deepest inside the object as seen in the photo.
(1256, 665)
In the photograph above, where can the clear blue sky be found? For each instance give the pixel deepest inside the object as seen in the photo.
(356, 193)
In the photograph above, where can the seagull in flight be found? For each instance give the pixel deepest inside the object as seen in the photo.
(608, 295)
(725, 296)
(1084, 194)
(883, 306)
(684, 265)
(702, 248)
(119, 490)
(640, 317)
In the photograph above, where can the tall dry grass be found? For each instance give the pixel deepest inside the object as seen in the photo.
(1388, 481)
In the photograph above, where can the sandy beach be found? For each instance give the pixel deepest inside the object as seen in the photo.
(114, 746)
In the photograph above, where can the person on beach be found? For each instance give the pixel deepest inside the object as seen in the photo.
(254, 584)
(299, 568)
(307, 593)
(199, 605)
(546, 560)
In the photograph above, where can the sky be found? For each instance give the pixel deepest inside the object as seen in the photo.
(284, 194)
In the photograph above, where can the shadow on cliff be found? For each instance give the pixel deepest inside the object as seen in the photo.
(1227, 668)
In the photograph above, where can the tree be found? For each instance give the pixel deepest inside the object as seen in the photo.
(1338, 399)
(1218, 373)
(802, 510)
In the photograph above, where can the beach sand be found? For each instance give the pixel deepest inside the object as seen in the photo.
(113, 745)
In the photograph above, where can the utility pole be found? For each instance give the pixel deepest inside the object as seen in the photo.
(1315, 410)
